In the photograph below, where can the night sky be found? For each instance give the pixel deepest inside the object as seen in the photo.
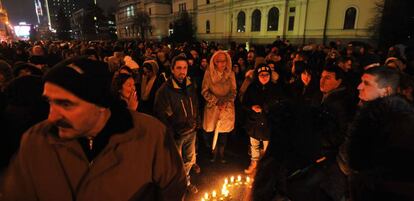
(23, 10)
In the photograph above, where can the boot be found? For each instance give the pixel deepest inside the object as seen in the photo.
(213, 155)
(221, 152)
(252, 168)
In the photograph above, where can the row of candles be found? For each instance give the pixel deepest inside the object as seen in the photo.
(228, 184)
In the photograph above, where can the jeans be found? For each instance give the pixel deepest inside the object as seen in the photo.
(186, 148)
(254, 147)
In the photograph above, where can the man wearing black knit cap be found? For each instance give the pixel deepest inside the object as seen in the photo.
(91, 148)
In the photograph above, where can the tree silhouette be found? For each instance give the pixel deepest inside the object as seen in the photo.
(142, 22)
(393, 22)
(94, 23)
(184, 28)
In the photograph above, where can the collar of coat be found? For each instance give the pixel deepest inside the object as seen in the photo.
(175, 85)
(119, 122)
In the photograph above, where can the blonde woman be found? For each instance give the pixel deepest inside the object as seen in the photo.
(219, 91)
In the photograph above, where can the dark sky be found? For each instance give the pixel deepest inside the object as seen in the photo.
(23, 10)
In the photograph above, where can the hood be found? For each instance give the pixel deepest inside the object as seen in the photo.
(130, 63)
(215, 75)
(154, 64)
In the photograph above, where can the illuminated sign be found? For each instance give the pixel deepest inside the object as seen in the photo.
(22, 31)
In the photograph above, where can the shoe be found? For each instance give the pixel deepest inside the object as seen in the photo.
(252, 168)
(192, 188)
(196, 168)
(213, 158)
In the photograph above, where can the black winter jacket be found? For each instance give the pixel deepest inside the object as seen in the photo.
(380, 149)
(177, 108)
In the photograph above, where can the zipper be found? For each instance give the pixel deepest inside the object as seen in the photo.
(191, 106)
(182, 104)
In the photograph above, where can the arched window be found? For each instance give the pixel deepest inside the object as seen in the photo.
(273, 19)
(207, 26)
(256, 18)
(350, 17)
(241, 22)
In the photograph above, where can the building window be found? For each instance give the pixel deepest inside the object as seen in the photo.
(207, 26)
(291, 23)
(273, 19)
(292, 9)
(207, 1)
(130, 11)
(350, 17)
(149, 11)
(182, 7)
(241, 22)
(256, 19)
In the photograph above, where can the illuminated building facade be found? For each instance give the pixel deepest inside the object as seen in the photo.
(262, 21)
(159, 11)
(300, 21)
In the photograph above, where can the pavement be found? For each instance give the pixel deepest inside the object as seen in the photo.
(212, 175)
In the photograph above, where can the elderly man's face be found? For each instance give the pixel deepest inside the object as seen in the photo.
(74, 117)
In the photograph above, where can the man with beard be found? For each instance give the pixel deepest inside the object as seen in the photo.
(176, 105)
(92, 148)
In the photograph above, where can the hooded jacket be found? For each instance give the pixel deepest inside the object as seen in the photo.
(217, 88)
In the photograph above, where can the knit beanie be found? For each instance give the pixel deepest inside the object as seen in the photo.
(263, 68)
(88, 79)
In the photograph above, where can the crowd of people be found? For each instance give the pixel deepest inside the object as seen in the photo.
(327, 123)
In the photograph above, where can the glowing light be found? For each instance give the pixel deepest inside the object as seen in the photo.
(213, 194)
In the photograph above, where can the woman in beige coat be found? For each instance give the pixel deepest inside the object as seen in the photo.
(219, 91)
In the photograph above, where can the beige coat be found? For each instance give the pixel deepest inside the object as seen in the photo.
(217, 88)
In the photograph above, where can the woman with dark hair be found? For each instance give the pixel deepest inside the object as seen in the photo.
(260, 98)
(306, 88)
(123, 87)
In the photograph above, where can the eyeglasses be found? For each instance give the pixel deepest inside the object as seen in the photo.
(264, 75)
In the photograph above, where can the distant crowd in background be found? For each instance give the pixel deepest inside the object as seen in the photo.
(325, 122)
